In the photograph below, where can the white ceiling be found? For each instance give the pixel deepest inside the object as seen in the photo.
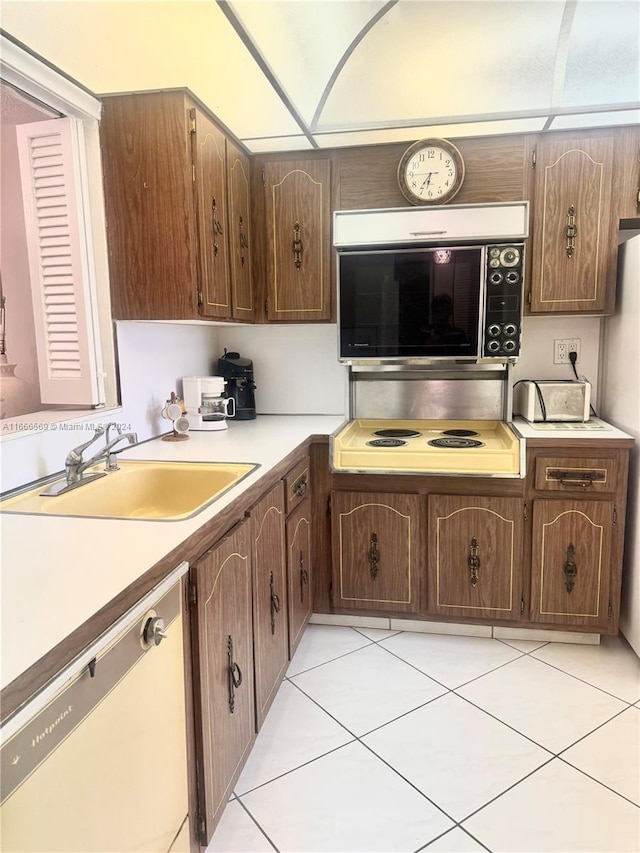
(302, 74)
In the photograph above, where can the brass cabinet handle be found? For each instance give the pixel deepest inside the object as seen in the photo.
(235, 675)
(570, 568)
(304, 576)
(374, 556)
(244, 241)
(297, 246)
(274, 602)
(574, 478)
(216, 227)
(571, 231)
(473, 561)
(300, 486)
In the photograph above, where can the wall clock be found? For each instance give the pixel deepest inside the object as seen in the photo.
(431, 171)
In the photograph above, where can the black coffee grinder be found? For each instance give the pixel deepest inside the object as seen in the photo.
(238, 374)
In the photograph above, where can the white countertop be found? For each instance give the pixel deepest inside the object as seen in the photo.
(57, 572)
(594, 428)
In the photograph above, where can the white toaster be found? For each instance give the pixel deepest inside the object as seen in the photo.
(552, 400)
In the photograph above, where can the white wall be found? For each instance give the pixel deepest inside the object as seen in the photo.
(621, 406)
(295, 367)
(538, 336)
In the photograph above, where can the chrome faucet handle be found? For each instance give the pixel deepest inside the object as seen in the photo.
(75, 455)
(108, 429)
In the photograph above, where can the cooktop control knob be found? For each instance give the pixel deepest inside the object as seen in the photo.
(510, 257)
(510, 330)
(495, 277)
(509, 345)
(494, 330)
(493, 346)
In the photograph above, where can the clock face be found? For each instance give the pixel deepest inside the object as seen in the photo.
(431, 172)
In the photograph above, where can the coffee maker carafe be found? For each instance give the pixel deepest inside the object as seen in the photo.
(238, 374)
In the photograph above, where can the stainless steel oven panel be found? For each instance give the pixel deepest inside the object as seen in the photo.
(466, 392)
(428, 399)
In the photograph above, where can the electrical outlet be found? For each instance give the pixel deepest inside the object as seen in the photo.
(563, 347)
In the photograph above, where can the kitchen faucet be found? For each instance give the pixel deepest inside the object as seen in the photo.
(75, 465)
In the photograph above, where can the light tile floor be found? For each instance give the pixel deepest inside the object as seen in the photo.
(394, 741)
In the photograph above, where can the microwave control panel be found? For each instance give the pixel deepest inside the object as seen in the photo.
(503, 299)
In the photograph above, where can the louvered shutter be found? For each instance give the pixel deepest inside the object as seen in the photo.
(58, 261)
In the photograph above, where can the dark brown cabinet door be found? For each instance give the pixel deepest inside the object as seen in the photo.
(376, 558)
(149, 206)
(475, 556)
(574, 232)
(270, 622)
(298, 245)
(239, 208)
(223, 652)
(209, 156)
(571, 562)
(299, 581)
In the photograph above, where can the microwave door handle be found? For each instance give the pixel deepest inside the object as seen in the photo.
(426, 233)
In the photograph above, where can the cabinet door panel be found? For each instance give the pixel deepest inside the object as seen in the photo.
(148, 187)
(571, 557)
(475, 556)
(299, 566)
(298, 240)
(242, 304)
(573, 189)
(224, 652)
(270, 622)
(375, 551)
(211, 207)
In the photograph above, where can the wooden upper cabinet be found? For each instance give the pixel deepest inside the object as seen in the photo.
(149, 204)
(298, 239)
(209, 158)
(239, 206)
(475, 556)
(574, 239)
(626, 177)
(175, 190)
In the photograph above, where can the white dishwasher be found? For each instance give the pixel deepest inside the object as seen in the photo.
(97, 761)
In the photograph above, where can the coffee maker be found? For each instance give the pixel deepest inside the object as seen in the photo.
(238, 374)
(206, 403)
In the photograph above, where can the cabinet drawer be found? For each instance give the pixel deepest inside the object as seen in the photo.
(297, 484)
(584, 475)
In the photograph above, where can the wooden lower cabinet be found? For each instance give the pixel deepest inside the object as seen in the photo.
(376, 551)
(571, 562)
(299, 580)
(475, 556)
(270, 611)
(223, 657)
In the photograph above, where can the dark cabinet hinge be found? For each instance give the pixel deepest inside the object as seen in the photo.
(528, 297)
(266, 307)
(525, 511)
(609, 611)
(264, 179)
(193, 594)
(522, 605)
(200, 299)
(615, 514)
(534, 158)
(192, 120)
(202, 828)
(329, 505)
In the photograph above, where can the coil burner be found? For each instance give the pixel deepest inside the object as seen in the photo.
(460, 433)
(397, 433)
(386, 442)
(456, 443)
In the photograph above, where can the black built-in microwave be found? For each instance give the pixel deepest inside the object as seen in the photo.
(430, 302)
